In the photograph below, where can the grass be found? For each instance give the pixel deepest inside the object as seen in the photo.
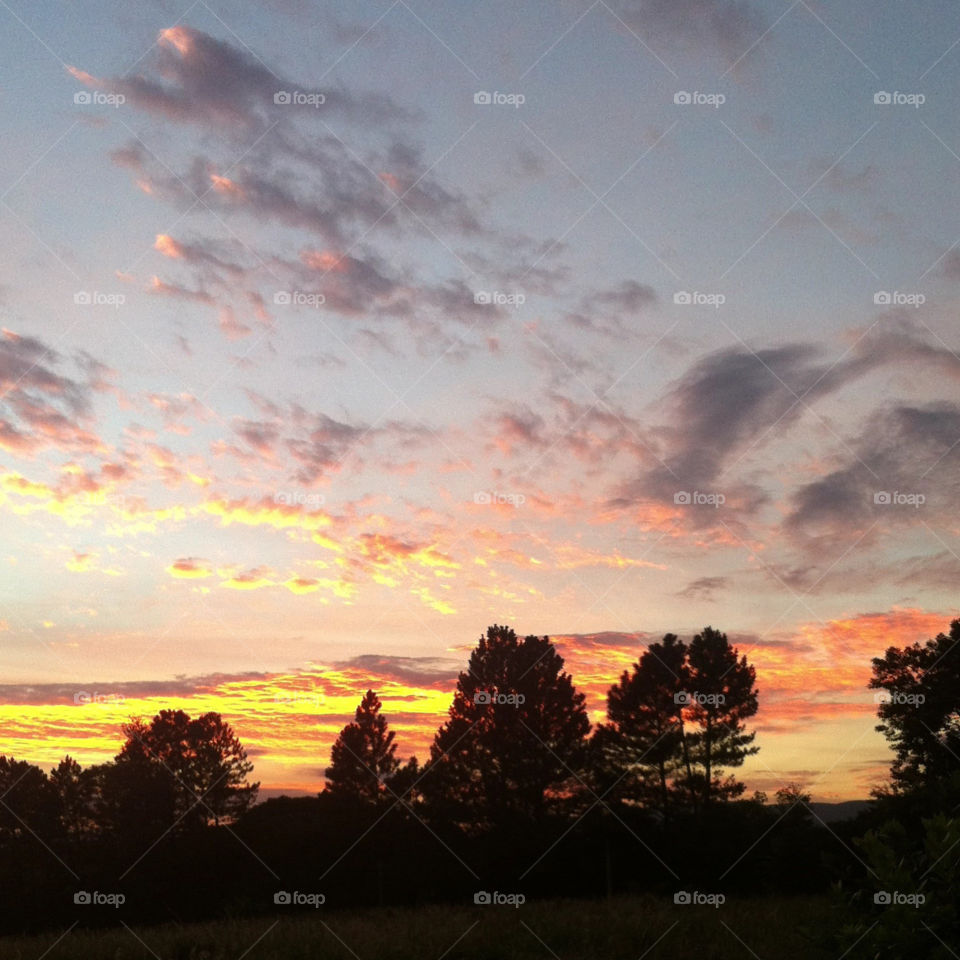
(624, 927)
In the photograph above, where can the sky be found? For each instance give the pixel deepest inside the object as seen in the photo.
(332, 335)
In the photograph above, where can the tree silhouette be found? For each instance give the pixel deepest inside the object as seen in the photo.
(29, 804)
(133, 799)
(514, 736)
(920, 713)
(641, 746)
(362, 759)
(722, 697)
(676, 722)
(204, 762)
(74, 790)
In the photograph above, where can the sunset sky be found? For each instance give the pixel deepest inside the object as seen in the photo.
(314, 364)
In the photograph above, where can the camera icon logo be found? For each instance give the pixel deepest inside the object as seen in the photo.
(682, 298)
(82, 897)
(82, 96)
(882, 97)
(882, 299)
(682, 698)
(82, 298)
(682, 97)
(482, 897)
(282, 298)
(881, 497)
(482, 97)
(282, 897)
(481, 496)
(482, 297)
(482, 697)
(281, 97)
(882, 898)
(681, 497)
(681, 897)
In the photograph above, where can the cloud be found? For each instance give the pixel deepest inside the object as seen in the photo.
(248, 580)
(434, 672)
(164, 289)
(903, 451)
(703, 588)
(198, 79)
(81, 562)
(606, 310)
(728, 28)
(842, 178)
(738, 399)
(190, 568)
(43, 408)
(316, 444)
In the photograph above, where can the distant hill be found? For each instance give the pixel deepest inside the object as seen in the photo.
(826, 811)
(834, 812)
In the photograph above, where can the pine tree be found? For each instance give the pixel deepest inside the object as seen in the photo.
(721, 698)
(641, 746)
(363, 758)
(514, 737)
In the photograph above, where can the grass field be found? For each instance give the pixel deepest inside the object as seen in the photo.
(621, 928)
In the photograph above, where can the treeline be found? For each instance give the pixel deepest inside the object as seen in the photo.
(519, 794)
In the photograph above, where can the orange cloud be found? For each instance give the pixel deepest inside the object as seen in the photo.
(81, 562)
(180, 38)
(190, 568)
(168, 246)
(251, 580)
(326, 260)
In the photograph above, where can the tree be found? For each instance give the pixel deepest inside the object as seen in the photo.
(514, 736)
(642, 745)
(405, 783)
(721, 698)
(362, 758)
(74, 790)
(205, 763)
(134, 800)
(920, 710)
(29, 804)
(677, 721)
